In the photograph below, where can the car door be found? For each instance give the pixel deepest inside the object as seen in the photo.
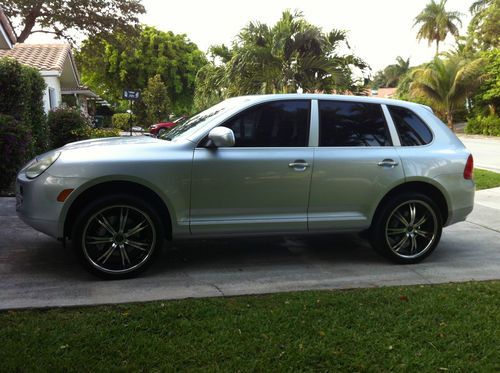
(355, 165)
(261, 184)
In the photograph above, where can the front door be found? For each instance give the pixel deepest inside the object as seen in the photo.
(262, 183)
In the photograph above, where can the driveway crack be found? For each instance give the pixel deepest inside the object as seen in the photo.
(483, 226)
(218, 289)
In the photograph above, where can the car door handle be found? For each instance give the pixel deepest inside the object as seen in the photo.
(390, 163)
(299, 165)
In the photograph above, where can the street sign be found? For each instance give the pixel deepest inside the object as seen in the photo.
(132, 95)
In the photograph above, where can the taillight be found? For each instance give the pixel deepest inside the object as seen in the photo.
(469, 168)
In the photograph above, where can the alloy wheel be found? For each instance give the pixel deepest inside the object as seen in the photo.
(118, 239)
(411, 229)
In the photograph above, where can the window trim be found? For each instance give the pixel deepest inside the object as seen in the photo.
(224, 121)
(354, 147)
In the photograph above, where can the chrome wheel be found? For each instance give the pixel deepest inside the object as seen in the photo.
(118, 239)
(411, 229)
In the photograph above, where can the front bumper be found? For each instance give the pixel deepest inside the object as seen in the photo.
(36, 202)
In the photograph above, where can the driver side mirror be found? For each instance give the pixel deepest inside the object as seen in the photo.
(222, 137)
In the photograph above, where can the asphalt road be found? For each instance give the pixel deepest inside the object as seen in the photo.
(486, 151)
(36, 271)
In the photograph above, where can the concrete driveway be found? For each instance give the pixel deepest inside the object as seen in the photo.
(36, 271)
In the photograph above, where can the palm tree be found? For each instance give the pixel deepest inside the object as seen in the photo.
(290, 55)
(446, 83)
(435, 23)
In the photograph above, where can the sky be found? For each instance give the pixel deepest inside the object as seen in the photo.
(378, 30)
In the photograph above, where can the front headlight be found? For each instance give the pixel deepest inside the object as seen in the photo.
(36, 167)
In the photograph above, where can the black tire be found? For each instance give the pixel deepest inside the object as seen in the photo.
(117, 237)
(407, 228)
(161, 132)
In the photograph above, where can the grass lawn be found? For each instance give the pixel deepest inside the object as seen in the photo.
(453, 327)
(486, 179)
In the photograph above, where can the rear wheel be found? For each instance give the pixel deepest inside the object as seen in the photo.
(117, 237)
(161, 132)
(407, 228)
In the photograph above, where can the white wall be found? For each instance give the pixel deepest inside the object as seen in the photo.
(51, 82)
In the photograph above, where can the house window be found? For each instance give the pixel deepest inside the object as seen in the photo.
(52, 98)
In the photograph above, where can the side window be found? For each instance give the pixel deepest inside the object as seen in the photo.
(411, 129)
(345, 123)
(273, 124)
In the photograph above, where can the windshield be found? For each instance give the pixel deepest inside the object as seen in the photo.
(192, 124)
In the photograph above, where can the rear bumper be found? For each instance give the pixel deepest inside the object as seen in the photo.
(459, 196)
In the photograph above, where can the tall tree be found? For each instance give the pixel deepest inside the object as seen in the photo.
(436, 23)
(391, 74)
(446, 83)
(128, 61)
(63, 18)
(156, 100)
(484, 27)
(289, 56)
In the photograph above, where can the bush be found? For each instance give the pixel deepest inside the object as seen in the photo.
(21, 97)
(68, 125)
(15, 148)
(484, 125)
(104, 132)
(123, 121)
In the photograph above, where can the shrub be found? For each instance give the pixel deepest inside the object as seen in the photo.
(15, 148)
(123, 121)
(68, 125)
(484, 125)
(21, 97)
(104, 132)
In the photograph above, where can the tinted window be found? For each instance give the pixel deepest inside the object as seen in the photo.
(273, 124)
(411, 129)
(344, 123)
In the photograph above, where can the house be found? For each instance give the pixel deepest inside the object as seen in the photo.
(383, 92)
(55, 63)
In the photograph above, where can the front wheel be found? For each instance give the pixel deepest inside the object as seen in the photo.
(407, 228)
(117, 237)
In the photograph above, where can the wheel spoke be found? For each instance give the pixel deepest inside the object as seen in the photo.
(124, 256)
(413, 213)
(138, 245)
(96, 240)
(422, 220)
(414, 244)
(123, 219)
(105, 223)
(401, 218)
(395, 231)
(139, 227)
(422, 233)
(107, 254)
(400, 244)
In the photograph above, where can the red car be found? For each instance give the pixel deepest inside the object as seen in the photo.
(159, 129)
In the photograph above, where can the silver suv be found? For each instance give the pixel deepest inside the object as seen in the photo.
(277, 164)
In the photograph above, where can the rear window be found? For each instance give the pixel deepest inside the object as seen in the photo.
(344, 123)
(411, 129)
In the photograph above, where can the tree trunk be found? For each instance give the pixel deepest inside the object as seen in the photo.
(29, 22)
(437, 47)
(449, 119)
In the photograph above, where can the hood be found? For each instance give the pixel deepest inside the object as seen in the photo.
(111, 141)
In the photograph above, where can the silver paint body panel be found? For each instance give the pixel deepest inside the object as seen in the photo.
(247, 191)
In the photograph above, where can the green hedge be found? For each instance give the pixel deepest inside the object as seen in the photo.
(15, 148)
(68, 125)
(21, 97)
(484, 125)
(123, 121)
(104, 132)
